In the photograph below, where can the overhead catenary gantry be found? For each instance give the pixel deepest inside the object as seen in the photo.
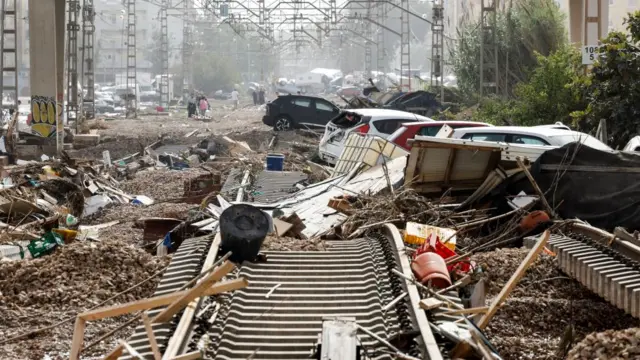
(73, 28)
(132, 89)
(88, 104)
(9, 55)
(164, 55)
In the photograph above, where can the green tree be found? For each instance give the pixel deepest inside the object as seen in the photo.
(613, 86)
(548, 96)
(523, 30)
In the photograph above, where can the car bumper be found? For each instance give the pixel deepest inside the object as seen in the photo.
(267, 120)
(328, 158)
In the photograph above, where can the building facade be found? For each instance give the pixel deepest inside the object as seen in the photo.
(111, 36)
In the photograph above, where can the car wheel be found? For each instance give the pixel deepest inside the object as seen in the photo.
(283, 124)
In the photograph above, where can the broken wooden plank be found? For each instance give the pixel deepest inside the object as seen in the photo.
(513, 281)
(430, 303)
(152, 338)
(157, 301)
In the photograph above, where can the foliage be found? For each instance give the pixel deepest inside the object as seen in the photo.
(523, 29)
(613, 87)
(547, 96)
(213, 73)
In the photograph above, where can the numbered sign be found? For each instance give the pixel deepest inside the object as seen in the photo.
(589, 54)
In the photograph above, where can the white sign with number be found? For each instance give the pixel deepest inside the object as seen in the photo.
(589, 54)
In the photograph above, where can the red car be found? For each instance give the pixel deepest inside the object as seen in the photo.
(408, 131)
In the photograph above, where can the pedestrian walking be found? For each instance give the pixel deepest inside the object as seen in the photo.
(261, 96)
(203, 106)
(191, 105)
(234, 98)
(255, 97)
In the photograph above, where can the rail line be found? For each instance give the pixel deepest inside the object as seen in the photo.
(613, 274)
(279, 315)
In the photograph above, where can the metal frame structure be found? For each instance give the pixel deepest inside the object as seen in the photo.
(489, 80)
(405, 46)
(368, 66)
(437, 48)
(187, 47)
(382, 55)
(73, 27)
(88, 104)
(164, 55)
(132, 103)
(9, 50)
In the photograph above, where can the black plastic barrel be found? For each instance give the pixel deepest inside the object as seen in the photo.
(243, 229)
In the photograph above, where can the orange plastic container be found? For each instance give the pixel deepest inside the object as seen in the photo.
(431, 267)
(532, 220)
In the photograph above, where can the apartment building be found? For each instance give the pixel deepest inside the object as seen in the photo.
(111, 37)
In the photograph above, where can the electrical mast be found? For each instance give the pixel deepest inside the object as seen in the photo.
(367, 43)
(9, 54)
(72, 62)
(88, 105)
(132, 89)
(164, 55)
(382, 59)
(488, 48)
(405, 47)
(187, 48)
(437, 48)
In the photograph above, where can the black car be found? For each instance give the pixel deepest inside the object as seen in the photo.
(299, 111)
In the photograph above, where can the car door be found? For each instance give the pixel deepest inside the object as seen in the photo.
(325, 111)
(302, 111)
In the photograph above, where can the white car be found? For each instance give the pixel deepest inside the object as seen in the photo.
(536, 136)
(378, 122)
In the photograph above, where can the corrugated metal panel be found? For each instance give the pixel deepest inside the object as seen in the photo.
(311, 204)
(272, 186)
(369, 150)
(436, 164)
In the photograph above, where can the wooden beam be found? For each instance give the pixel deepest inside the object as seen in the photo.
(195, 292)
(115, 353)
(429, 341)
(430, 303)
(184, 325)
(152, 338)
(78, 337)
(194, 355)
(154, 302)
(469, 311)
(536, 188)
(513, 281)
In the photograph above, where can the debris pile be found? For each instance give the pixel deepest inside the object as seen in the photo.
(610, 344)
(80, 274)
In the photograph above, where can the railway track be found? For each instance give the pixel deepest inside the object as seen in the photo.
(279, 315)
(185, 265)
(613, 274)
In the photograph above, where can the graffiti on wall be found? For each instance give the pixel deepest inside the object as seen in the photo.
(44, 115)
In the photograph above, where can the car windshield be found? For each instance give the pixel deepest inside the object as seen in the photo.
(583, 138)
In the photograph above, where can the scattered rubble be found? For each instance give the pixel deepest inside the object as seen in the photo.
(533, 321)
(610, 344)
(274, 243)
(79, 275)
